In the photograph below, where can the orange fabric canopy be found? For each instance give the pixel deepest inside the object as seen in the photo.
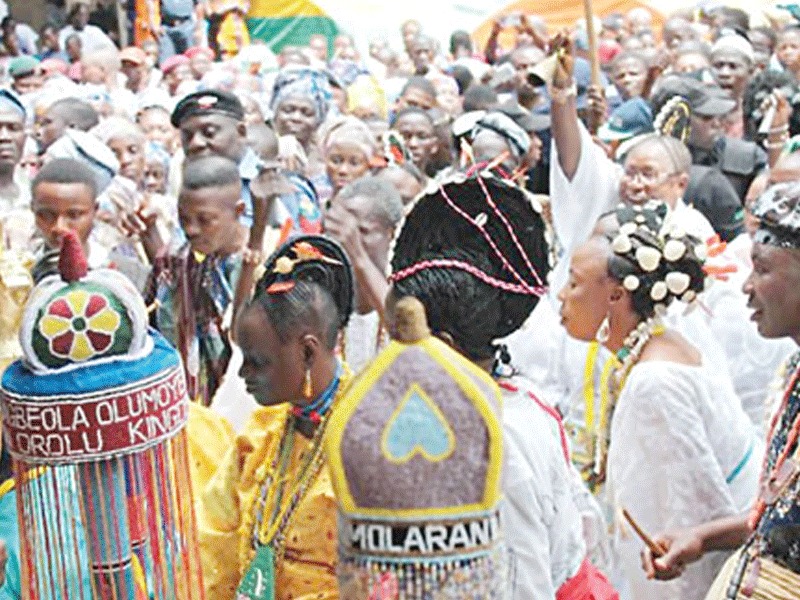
(559, 15)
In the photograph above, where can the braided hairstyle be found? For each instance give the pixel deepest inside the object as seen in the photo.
(458, 303)
(656, 261)
(474, 252)
(308, 282)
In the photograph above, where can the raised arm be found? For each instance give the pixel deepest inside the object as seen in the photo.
(564, 113)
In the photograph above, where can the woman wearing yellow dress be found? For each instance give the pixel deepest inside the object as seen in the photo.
(267, 516)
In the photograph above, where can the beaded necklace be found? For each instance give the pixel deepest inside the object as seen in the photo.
(314, 410)
(271, 531)
(774, 481)
(626, 358)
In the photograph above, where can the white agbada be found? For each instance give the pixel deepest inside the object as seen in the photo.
(683, 452)
(541, 523)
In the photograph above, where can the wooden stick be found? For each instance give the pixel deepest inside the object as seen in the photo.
(658, 550)
(594, 121)
(591, 34)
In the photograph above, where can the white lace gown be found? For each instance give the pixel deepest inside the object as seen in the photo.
(541, 523)
(683, 452)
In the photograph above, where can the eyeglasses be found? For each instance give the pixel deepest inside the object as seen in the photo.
(648, 178)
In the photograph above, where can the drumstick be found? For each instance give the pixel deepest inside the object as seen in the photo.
(658, 550)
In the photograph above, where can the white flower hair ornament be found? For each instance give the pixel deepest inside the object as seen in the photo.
(658, 262)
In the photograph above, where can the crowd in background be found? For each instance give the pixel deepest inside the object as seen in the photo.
(187, 157)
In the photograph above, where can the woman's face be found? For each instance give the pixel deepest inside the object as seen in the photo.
(420, 138)
(585, 297)
(273, 369)
(297, 117)
(130, 154)
(157, 128)
(345, 162)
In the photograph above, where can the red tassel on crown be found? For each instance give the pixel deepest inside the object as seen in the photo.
(72, 263)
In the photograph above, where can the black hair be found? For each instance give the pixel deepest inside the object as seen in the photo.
(463, 78)
(306, 305)
(386, 202)
(77, 113)
(409, 167)
(6, 470)
(418, 82)
(758, 88)
(479, 97)
(734, 18)
(263, 140)
(320, 296)
(629, 55)
(453, 237)
(210, 171)
(460, 304)
(621, 265)
(460, 39)
(413, 110)
(66, 170)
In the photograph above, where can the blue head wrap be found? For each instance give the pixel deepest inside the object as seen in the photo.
(311, 84)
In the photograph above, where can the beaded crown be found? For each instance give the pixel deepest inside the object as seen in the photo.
(415, 453)
(97, 408)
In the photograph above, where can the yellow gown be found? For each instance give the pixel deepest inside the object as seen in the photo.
(226, 513)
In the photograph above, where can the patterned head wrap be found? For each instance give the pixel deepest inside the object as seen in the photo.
(311, 84)
(353, 131)
(778, 212)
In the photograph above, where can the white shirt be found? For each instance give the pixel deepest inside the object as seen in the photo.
(541, 523)
(361, 340)
(92, 38)
(683, 452)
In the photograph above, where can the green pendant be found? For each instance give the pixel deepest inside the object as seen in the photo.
(259, 581)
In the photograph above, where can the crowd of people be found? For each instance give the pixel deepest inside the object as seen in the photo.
(603, 252)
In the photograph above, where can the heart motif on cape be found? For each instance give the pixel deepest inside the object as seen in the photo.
(417, 427)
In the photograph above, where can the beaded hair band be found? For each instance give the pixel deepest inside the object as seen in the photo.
(446, 263)
(521, 287)
(304, 252)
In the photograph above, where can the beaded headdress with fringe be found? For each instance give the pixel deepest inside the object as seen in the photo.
(94, 417)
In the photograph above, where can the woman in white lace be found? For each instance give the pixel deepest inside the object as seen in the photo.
(678, 446)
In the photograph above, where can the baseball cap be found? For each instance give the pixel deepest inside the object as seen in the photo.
(705, 100)
(631, 118)
(133, 54)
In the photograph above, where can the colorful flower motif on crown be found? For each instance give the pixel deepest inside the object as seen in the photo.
(80, 324)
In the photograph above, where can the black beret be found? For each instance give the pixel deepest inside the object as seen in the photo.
(207, 102)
